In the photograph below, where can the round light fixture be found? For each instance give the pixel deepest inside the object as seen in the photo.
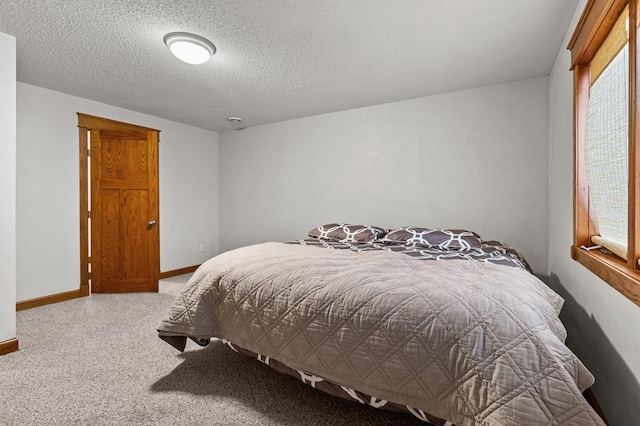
(190, 48)
(236, 120)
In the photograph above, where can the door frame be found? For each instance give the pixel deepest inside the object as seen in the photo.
(85, 124)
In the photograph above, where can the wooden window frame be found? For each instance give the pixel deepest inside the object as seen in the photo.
(595, 24)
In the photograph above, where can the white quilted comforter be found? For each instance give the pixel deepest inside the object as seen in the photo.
(470, 342)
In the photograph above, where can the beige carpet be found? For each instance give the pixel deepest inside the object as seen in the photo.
(98, 361)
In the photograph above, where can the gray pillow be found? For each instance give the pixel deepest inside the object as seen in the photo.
(347, 233)
(444, 239)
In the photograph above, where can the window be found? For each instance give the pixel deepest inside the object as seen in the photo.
(606, 219)
(607, 138)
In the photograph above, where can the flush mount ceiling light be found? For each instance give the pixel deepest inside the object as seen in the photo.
(190, 48)
(236, 120)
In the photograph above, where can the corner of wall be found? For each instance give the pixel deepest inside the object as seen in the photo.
(8, 190)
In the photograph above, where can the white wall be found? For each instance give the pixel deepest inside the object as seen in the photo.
(602, 324)
(474, 159)
(7, 187)
(48, 193)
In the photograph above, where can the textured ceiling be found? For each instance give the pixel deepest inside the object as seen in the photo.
(279, 59)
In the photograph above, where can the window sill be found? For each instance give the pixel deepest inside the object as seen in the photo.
(616, 273)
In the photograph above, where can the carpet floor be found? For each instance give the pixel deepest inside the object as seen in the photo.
(98, 361)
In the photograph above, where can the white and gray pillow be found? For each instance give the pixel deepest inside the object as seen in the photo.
(443, 239)
(347, 233)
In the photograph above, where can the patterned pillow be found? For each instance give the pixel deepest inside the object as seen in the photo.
(347, 233)
(444, 239)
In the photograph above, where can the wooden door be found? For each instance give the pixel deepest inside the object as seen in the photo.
(125, 255)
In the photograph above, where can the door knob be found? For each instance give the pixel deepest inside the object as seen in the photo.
(152, 222)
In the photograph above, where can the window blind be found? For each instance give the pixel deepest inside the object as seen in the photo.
(606, 152)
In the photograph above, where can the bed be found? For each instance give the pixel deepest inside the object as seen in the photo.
(439, 323)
